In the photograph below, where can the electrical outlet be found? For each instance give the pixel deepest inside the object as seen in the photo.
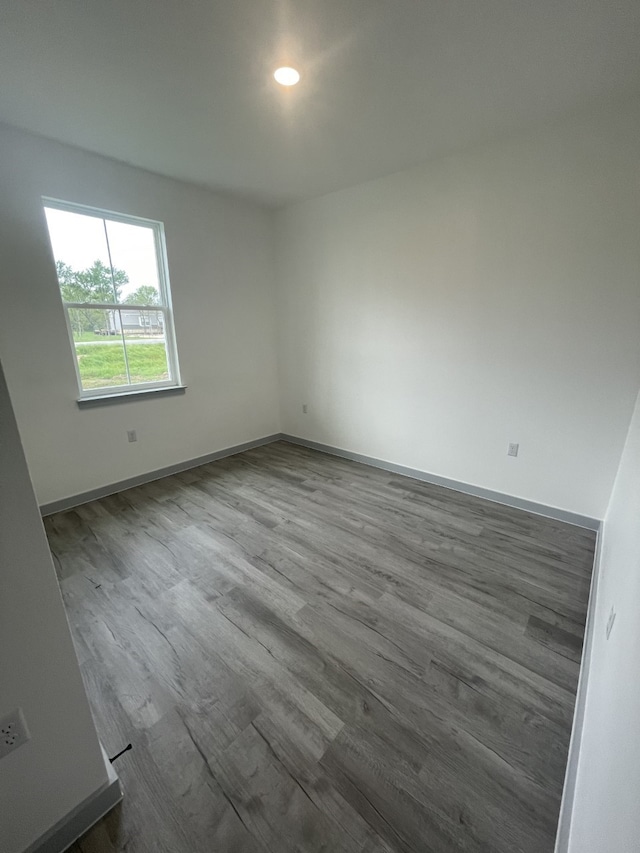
(13, 732)
(513, 449)
(610, 621)
(132, 435)
(305, 408)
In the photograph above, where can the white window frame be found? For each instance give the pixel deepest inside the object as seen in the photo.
(165, 308)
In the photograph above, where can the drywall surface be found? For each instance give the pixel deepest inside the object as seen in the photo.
(434, 316)
(220, 254)
(62, 764)
(605, 807)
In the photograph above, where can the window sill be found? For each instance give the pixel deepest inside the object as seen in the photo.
(129, 396)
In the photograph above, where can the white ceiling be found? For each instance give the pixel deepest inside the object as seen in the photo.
(184, 87)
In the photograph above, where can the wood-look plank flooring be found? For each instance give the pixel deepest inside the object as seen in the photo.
(309, 655)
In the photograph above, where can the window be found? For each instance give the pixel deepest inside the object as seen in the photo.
(115, 291)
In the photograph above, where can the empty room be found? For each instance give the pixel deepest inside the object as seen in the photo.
(319, 426)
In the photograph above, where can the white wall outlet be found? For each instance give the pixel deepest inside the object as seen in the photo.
(513, 449)
(132, 435)
(610, 621)
(13, 732)
(305, 408)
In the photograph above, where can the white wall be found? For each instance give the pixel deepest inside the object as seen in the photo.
(62, 764)
(220, 254)
(431, 317)
(605, 808)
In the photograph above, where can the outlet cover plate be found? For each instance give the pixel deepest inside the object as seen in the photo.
(13, 732)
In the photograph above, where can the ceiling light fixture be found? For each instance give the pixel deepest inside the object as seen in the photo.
(287, 76)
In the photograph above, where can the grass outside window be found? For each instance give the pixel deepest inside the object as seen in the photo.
(103, 364)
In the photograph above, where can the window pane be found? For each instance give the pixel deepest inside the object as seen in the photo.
(108, 266)
(82, 259)
(99, 347)
(135, 268)
(146, 346)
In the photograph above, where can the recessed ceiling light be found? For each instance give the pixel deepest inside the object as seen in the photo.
(287, 76)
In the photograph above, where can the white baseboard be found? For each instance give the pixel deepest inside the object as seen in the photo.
(568, 792)
(156, 474)
(80, 820)
(457, 485)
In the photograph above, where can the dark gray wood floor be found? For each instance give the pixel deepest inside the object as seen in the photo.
(312, 655)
